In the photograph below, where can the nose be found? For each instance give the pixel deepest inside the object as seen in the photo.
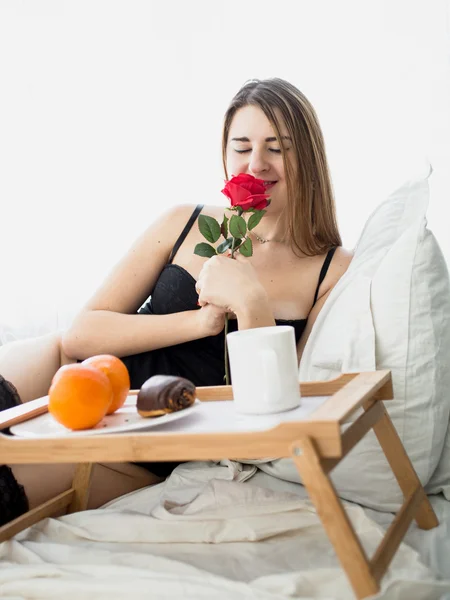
(258, 164)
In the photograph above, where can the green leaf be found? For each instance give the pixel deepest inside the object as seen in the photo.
(237, 243)
(238, 227)
(221, 248)
(204, 250)
(209, 228)
(224, 227)
(255, 218)
(247, 248)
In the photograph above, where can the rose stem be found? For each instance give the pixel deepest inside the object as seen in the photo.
(227, 370)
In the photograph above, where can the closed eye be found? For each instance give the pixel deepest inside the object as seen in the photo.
(274, 150)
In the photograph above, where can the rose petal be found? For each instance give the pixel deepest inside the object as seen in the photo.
(235, 193)
(246, 191)
(250, 183)
(260, 204)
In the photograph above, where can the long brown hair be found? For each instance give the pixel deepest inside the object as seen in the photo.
(311, 215)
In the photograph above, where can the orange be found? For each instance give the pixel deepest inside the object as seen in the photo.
(79, 396)
(117, 374)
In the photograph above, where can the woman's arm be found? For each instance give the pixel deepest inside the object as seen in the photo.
(106, 332)
(254, 310)
(108, 323)
(233, 285)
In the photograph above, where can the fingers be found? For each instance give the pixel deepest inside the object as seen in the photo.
(198, 289)
(220, 310)
(215, 280)
(213, 263)
(201, 277)
(238, 256)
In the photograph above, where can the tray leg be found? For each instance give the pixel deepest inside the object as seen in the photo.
(80, 486)
(47, 509)
(335, 521)
(403, 470)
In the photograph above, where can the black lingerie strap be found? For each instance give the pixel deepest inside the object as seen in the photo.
(323, 271)
(186, 230)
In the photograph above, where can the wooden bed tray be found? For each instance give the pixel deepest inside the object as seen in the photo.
(317, 443)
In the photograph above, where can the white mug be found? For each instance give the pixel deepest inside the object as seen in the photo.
(264, 369)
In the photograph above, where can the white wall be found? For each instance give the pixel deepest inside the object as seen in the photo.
(111, 110)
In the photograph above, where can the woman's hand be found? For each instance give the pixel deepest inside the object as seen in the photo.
(211, 319)
(231, 284)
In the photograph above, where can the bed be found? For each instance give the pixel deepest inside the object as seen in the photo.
(221, 529)
(213, 530)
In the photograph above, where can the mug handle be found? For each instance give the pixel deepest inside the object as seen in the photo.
(270, 373)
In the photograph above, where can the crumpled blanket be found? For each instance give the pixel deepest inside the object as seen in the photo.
(206, 532)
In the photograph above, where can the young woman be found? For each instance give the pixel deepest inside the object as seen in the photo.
(162, 309)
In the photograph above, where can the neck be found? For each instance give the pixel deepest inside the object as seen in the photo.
(269, 229)
(263, 240)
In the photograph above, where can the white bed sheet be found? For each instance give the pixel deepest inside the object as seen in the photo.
(210, 531)
(433, 546)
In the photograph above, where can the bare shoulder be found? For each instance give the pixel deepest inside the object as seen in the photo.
(165, 229)
(341, 260)
(134, 276)
(338, 266)
(171, 222)
(215, 211)
(179, 215)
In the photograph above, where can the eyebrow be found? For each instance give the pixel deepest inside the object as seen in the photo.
(269, 139)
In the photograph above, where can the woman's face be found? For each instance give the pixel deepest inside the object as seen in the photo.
(253, 149)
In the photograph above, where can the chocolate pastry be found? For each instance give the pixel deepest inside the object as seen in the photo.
(162, 394)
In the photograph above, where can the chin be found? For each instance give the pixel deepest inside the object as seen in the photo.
(276, 204)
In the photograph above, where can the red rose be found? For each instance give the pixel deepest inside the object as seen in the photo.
(247, 192)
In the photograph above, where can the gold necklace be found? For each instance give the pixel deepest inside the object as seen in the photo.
(260, 239)
(264, 240)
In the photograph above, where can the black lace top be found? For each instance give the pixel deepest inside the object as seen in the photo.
(202, 360)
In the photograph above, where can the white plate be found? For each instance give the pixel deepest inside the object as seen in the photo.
(123, 420)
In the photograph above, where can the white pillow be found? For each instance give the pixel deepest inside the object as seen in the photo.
(391, 310)
(440, 480)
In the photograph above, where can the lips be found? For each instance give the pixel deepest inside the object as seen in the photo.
(269, 184)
